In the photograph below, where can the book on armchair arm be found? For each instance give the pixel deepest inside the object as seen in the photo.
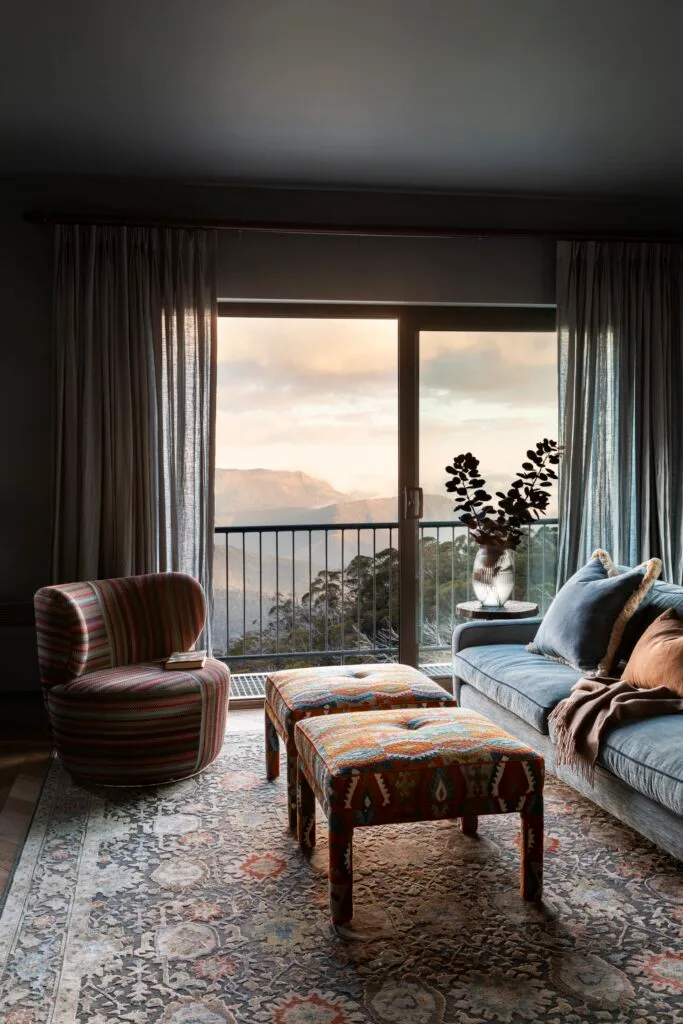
(186, 659)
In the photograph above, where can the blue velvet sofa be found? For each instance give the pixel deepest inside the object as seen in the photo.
(639, 776)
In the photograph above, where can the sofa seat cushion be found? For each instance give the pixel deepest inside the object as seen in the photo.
(648, 756)
(521, 682)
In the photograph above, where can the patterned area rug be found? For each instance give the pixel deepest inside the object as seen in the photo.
(190, 904)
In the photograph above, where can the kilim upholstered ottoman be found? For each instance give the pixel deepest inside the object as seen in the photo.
(385, 767)
(299, 693)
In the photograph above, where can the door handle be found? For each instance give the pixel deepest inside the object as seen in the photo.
(413, 503)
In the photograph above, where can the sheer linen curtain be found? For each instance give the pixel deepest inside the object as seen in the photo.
(620, 315)
(135, 384)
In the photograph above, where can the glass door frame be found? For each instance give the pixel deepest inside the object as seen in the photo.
(412, 320)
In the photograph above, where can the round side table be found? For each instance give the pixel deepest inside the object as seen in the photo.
(510, 610)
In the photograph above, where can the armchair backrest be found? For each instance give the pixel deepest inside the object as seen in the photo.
(99, 624)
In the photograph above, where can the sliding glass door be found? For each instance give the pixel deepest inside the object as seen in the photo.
(336, 540)
(482, 381)
(307, 550)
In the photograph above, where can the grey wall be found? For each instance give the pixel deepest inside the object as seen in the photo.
(256, 266)
(25, 428)
(519, 271)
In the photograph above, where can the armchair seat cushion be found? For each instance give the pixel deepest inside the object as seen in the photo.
(516, 680)
(140, 724)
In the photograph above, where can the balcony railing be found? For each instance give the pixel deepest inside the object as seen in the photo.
(328, 593)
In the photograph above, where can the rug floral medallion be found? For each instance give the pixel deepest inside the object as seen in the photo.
(191, 904)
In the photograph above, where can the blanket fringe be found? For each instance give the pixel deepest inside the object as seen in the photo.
(565, 749)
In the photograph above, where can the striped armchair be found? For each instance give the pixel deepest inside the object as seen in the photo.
(117, 716)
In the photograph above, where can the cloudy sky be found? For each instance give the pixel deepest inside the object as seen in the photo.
(321, 396)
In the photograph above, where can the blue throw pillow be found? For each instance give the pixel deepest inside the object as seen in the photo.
(587, 618)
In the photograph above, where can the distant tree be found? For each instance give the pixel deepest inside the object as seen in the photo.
(359, 608)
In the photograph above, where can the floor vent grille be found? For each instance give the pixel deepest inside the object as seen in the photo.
(250, 686)
(443, 671)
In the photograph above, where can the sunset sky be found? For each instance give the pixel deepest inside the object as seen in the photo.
(321, 396)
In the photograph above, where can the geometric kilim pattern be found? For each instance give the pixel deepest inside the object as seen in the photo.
(297, 694)
(385, 767)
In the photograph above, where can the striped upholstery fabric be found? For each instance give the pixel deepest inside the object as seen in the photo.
(141, 724)
(117, 715)
(83, 627)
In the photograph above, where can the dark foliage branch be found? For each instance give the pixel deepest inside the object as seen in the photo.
(523, 503)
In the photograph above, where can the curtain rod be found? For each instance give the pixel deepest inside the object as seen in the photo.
(358, 230)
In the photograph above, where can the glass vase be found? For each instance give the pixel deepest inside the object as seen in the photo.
(493, 575)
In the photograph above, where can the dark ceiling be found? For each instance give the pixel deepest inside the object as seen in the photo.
(547, 97)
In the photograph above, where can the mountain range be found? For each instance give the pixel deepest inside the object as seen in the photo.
(256, 566)
(268, 497)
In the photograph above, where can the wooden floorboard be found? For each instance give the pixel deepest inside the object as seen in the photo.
(23, 767)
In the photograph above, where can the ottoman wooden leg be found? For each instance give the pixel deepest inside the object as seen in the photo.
(291, 787)
(531, 867)
(469, 824)
(272, 749)
(305, 821)
(341, 869)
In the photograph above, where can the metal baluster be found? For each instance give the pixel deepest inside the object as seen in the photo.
(327, 594)
(260, 591)
(468, 576)
(343, 621)
(391, 592)
(227, 594)
(358, 588)
(374, 588)
(420, 577)
(452, 573)
(277, 592)
(293, 598)
(438, 581)
(244, 593)
(310, 590)
(391, 586)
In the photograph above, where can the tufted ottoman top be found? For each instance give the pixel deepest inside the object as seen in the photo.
(300, 692)
(407, 757)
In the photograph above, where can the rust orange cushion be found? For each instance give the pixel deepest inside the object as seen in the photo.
(657, 658)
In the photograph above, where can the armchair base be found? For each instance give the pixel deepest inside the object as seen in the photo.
(140, 725)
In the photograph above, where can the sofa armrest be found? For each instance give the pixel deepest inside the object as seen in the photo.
(481, 633)
(510, 631)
